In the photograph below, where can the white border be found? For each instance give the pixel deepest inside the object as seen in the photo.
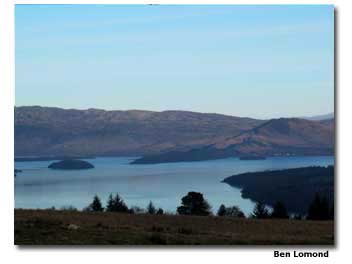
(12, 254)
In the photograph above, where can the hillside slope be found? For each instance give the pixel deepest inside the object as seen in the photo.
(296, 187)
(41, 131)
(276, 137)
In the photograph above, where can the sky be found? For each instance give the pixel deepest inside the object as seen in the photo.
(255, 61)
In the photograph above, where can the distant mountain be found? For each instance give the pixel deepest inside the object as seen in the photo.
(48, 131)
(276, 137)
(329, 122)
(320, 117)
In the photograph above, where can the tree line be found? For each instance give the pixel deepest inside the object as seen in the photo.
(117, 204)
(194, 203)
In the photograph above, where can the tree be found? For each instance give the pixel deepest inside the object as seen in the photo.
(260, 211)
(110, 204)
(160, 211)
(194, 204)
(222, 210)
(96, 205)
(233, 211)
(332, 212)
(116, 204)
(151, 208)
(279, 211)
(319, 208)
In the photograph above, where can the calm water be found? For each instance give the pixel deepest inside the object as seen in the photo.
(164, 184)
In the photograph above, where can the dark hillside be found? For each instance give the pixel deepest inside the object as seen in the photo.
(296, 188)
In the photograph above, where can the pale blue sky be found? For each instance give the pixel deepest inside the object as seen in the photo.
(256, 61)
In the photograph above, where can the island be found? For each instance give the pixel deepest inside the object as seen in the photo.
(71, 165)
(208, 153)
(296, 187)
(252, 158)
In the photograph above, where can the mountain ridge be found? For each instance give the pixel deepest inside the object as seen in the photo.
(72, 132)
(320, 117)
(276, 137)
(165, 136)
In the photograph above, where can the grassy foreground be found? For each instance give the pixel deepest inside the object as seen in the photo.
(47, 227)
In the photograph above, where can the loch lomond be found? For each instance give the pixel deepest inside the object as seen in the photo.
(37, 186)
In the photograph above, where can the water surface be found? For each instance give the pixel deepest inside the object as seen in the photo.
(164, 184)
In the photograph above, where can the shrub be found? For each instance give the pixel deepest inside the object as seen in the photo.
(137, 210)
(222, 210)
(233, 211)
(87, 209)
(160, 211)
(67, 208)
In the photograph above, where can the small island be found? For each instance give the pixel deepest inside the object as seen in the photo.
(71, 165)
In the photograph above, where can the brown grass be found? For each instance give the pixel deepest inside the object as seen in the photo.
(46, 227)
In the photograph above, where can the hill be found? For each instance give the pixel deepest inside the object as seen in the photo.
(276, 137)
(320, 117)
(48, 131)
(48, 227)
(296, 188)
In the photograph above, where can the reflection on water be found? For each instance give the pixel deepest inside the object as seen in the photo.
(164, 184)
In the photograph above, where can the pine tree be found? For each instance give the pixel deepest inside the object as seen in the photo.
(319, 208)
(279, 211)
(151, 208)
(332, 212)
(116, 204)
(110, 204)
(119, 204)
(260, 211)
(96, 205)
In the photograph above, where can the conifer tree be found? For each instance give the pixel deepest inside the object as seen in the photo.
(96, 205)
(279, 211)
(260, 211)
(151, 208)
